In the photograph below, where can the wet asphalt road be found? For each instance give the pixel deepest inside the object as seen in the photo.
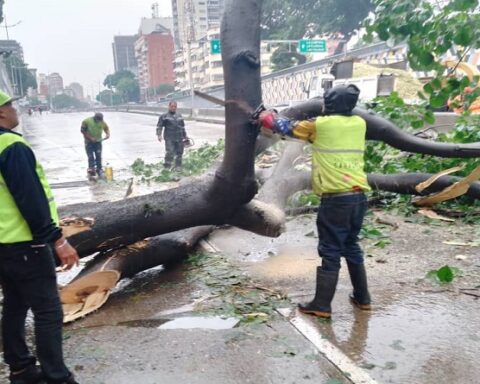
(58, 144)
(418, 332)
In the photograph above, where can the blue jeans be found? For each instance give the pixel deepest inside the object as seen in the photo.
(29, 281)
(94, 153)
(339, 222)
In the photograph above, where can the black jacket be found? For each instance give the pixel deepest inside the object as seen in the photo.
(17, 165)
(174, 126)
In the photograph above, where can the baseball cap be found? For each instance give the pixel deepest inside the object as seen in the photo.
(5, 98)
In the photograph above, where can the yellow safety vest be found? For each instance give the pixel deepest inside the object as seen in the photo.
(13, 227)
(338, 152)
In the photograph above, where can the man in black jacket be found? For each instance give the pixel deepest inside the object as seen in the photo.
(174, 135)
(29, 236)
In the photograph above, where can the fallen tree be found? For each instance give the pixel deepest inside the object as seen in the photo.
(118, 229)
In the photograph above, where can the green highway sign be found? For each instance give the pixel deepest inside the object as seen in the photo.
(305, 46)
(215, 46)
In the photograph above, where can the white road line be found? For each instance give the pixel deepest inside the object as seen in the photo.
(333, 354)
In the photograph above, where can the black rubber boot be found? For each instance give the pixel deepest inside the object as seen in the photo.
(91, 172)
(70, 380)
(326, 285)
(358, 277)
(29, 375)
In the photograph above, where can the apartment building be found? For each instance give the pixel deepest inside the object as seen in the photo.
(193, 18)
(154, 54)
(123, 48)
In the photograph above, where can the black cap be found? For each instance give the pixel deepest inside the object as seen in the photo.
(98, 116)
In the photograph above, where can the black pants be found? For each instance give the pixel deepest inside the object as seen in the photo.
(339, 222)
(94, 153)
(173, 150)
(29, 281)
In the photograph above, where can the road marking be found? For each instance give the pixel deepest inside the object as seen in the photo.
(347, 366)
(207, 246)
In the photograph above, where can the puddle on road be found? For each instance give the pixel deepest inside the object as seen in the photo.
(191, 322)
(428, 339)
(216, 322)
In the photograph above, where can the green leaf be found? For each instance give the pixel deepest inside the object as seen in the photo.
(429, 117)
(428, 88)
(464, 5)
(438, 100)
(445, 274)
(417, 124)
(436, 83)
(425, 58)
(382, 243)
(464, 36)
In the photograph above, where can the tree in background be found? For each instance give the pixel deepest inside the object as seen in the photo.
(161, 90)
(128, 89)
(109, 98)
(20, 76)
(431, 30)
(111, 81)
(66, 102)
(124, 85)
(294, 20)
(283, 58)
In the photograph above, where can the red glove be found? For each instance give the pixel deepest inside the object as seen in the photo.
(267, 119)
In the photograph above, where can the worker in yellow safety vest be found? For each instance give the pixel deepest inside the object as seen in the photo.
(29, 236)
(338, 143)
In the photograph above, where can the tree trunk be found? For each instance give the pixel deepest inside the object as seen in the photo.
(380, 129)
(405, 183)
(145, 254)
(214, 199)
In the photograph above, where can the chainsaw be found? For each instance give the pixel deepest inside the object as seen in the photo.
(254, 116)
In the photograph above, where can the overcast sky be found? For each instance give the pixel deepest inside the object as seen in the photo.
(74, 37)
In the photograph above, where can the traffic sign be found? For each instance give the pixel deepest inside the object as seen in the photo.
(215, 46)
(305, 46)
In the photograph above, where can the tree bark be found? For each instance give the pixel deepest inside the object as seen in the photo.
(145, 254)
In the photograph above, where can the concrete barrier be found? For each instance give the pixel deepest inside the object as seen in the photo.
(444, 121)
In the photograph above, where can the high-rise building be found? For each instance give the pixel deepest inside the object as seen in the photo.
(55, 83)
(154, 53)
(207, 66)
(150, 25)
(124, 53)
(42, 84)
(193, 18)
(12, 46)
(77, 90)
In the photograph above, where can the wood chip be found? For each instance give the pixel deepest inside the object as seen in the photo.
(457, 189)
(421, 186)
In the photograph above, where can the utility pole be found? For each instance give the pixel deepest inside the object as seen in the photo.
(189, 30)
(9, 26)
(155, 13)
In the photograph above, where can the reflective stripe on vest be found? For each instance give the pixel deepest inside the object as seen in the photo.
(13, 227)
(338, 152)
